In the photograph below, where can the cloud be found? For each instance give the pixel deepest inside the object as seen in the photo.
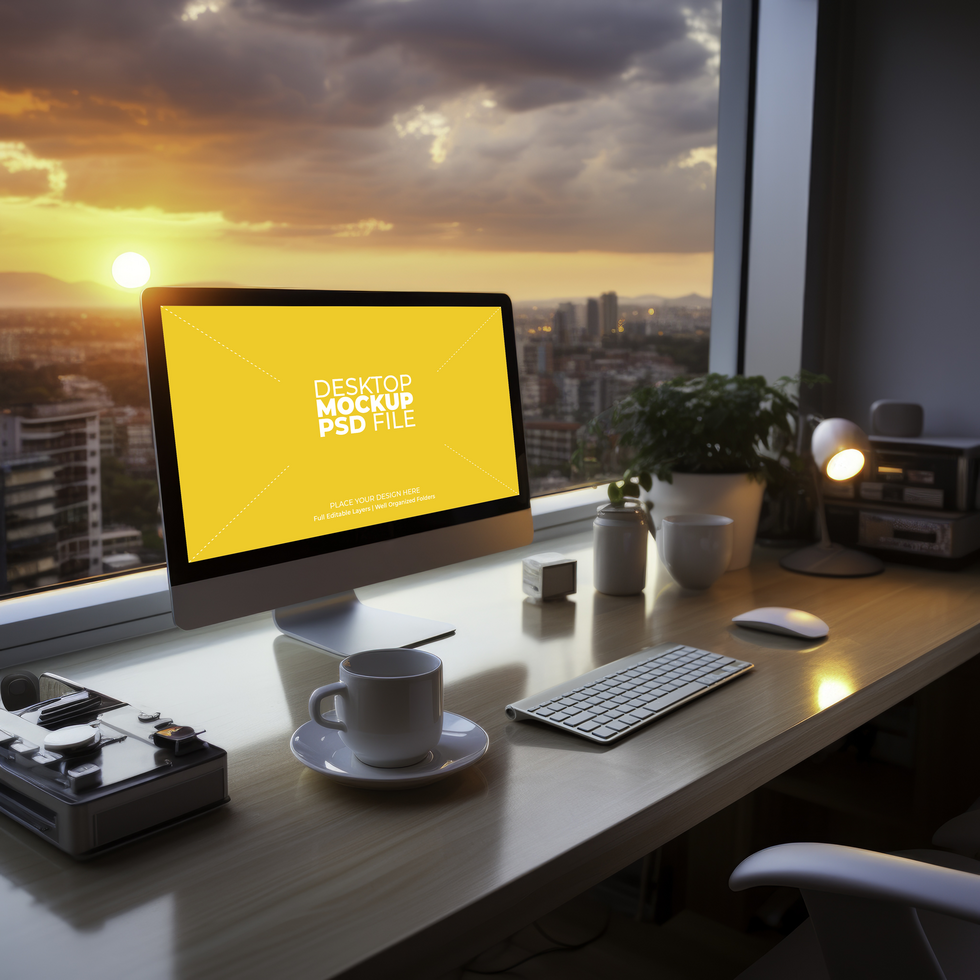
(360, 229)
(15, 158)
(560, 125)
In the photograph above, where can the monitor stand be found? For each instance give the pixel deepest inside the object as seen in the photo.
(341, 624)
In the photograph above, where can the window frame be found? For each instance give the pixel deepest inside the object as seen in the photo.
(75, 617)
(754, 36)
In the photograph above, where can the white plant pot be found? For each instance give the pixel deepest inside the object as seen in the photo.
(734, 495)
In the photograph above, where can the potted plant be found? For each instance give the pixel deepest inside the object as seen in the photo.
(707, 444)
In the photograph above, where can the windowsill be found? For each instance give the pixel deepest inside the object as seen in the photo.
(56, 621)
(557, 509)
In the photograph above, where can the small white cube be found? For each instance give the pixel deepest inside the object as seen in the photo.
(549, 575)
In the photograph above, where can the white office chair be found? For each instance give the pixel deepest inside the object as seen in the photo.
(914, 916)
(962, 833)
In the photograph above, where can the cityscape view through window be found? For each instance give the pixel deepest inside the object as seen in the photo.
(560, 152)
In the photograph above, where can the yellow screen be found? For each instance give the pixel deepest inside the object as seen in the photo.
(293, 422)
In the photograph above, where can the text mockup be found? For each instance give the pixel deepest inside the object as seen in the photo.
(346, 406)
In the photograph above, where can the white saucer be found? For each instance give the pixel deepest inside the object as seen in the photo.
(463, 742)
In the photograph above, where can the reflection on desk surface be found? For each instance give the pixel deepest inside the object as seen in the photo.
(326, 877)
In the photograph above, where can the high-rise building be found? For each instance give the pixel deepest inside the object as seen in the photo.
(608, 314)
(28, 536)
(592, 327)
(550, 443)
(565, 325)
(68, 434)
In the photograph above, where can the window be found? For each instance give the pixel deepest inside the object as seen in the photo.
(560, 151)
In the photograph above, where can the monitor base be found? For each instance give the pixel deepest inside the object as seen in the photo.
(340, 624)
(834, 561)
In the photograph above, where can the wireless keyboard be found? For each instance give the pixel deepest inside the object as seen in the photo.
(611, 702)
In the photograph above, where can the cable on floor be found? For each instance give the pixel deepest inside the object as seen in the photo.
(559, 947)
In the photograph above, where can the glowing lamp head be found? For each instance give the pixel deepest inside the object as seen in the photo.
(839, 448)
(847, 463)
(131, 270)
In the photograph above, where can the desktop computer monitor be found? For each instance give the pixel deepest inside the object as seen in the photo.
(313, 441)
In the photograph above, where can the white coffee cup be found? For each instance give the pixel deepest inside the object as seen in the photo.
(389, 706)
(696, 548)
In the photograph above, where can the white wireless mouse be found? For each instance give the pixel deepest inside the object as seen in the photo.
(788, 622)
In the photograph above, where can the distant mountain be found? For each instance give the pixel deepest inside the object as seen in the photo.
(691, 300)
(35, 289)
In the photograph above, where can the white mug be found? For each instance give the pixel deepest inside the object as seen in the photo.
(696, 548)
(389, 706)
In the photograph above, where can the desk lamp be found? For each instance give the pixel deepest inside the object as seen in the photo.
(838, 448)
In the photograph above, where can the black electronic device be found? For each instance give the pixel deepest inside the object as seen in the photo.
(19, 689)
(900, 533)
(925, 473)
(89, 772)
(896, 419)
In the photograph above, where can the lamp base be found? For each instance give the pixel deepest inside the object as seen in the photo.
(833, 560)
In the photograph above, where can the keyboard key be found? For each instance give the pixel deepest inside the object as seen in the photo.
(603, 719)
(713, 678)
(617, 726)
(616, 713)
(630, 719)
(579, 719)
(589, 726)
(643, 713)
(544, 712)
(678, 695)
(560, 716)
(604, 732)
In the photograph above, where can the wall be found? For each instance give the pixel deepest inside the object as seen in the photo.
(908, 320)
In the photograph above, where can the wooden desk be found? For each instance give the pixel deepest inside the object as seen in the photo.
(302, 878)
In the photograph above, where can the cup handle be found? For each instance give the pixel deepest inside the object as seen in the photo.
(317, 696)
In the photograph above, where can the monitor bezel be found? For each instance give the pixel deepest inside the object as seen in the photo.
(183, 572)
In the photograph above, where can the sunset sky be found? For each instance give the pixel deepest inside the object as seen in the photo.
(543, 148)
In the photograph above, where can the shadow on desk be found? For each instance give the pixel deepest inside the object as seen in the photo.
(303, 668)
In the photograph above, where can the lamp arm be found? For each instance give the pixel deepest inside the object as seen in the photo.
(806, 423)
(821, 511)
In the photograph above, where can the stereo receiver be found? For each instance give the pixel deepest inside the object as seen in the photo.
(931, 473)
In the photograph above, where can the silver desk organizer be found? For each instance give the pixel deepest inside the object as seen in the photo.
(613, 701)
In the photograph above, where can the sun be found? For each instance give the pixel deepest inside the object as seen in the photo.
(131, 270)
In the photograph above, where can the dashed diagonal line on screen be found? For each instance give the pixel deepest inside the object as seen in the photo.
(242, 511)
(468, 339)
(481, 469)
(218, 342)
